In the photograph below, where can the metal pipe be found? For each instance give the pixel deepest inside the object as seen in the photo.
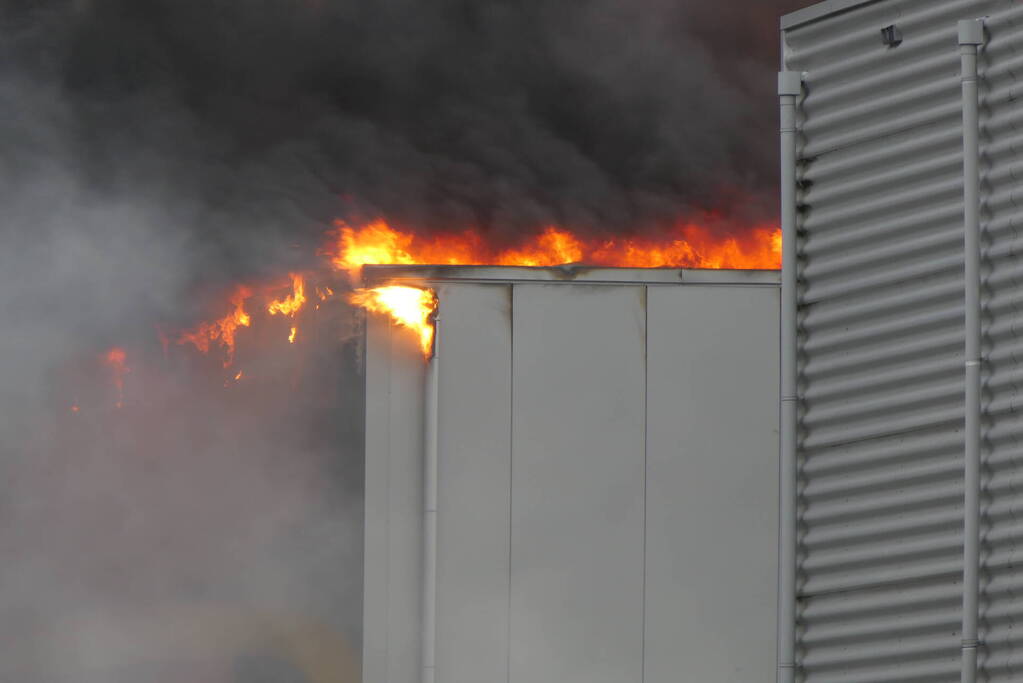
(971, 36)
(430, 463)
(789, 87)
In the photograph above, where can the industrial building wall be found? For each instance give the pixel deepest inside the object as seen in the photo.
(607, 485)
(881, 323)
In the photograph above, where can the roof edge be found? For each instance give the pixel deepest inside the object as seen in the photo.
(568, 274)
(819, 11)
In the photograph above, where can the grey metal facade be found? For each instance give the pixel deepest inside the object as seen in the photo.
(606, 480)
(881, 340)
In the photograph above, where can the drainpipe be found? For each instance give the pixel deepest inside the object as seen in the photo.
(429, 588)
(971, 36)
(789, 88)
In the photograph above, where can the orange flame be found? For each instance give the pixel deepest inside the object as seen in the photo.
(552, 248)
(221, 331)
(237, 377)
(116, 359)
(685, 246)
(409, 307)
(373, 243)
(291, 304)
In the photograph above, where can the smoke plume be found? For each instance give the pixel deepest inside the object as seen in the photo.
(153, 154)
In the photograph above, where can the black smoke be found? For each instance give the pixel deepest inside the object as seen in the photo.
(155, 152)
(496, 115)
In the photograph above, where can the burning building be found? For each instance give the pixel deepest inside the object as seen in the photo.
(181, 363)
(523, 195)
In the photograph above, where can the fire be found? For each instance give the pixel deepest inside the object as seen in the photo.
(685, 246)
(237, 377)
(373, 243)
(409, 307)
(116, 359)
(324, 293)
(221, 331)
(291, 304)
(694, 244)
(552, 248)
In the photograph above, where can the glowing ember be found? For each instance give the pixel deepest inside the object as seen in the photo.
(221, 331)
(115, 359)
(237, 376)
(409, 307)
(291, 337)
(685, 246)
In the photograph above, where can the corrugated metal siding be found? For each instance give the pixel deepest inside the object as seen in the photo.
(881, 316)
(1002, 168)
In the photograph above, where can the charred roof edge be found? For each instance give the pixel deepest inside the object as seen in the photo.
(379, 274)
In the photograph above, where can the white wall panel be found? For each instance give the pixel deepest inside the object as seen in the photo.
(474, 483)
(394, 503)
(578, 443)
(712, 444)
(584, 534)
(375, 556)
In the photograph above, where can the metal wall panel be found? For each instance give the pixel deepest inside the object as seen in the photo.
(375, 584)
(578, 445)
(561, 556)
(881, 322)
(712, 443)
(474, 483)
(1001, 170)
(394, 503)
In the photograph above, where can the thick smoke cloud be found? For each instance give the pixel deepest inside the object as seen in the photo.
(153, 153)
(499, 115)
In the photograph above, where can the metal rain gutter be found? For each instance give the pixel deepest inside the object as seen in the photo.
(789, 88)
(430, 466)
(971, 36)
